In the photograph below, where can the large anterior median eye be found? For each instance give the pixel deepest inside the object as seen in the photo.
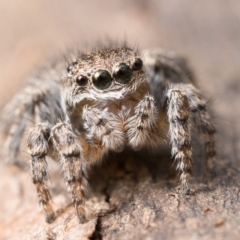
(122, 73)
(102, 79)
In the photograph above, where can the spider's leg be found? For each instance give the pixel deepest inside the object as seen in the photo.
(15, 120)
(101, 132)
(180, 134)
(203, 121)
(69, 149)
(141, 128)
(164, 68)
(38, 149)
(33, 104)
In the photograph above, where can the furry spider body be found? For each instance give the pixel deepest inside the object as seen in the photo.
(108, 99)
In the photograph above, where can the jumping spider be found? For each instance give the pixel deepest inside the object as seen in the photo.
(108, 99)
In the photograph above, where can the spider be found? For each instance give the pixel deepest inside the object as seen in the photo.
(108, 99)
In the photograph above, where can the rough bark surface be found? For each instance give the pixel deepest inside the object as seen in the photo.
(132, 195)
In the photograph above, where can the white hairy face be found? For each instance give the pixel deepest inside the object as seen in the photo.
(103, 77)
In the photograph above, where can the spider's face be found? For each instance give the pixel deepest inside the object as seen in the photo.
(103, 76)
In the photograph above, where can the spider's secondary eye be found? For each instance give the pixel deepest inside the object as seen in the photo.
(102, 79)
(137, 64)
(122, 73)
(69, 68)
(82, 80)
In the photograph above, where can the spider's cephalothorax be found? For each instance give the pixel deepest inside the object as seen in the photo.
(108, 99)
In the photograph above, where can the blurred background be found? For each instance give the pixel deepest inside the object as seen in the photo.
(206, 32)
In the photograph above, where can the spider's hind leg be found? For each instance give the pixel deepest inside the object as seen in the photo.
(33, 105)
(15, 118)
(202, 120)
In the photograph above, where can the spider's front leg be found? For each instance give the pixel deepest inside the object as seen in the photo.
(69, 149)
(180, 134)
(38, 148)
(101, 132)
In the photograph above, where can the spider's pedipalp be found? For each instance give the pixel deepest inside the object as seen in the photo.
(104, 129)
(141, 128)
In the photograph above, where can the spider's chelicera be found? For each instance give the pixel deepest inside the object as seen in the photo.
(107, 100)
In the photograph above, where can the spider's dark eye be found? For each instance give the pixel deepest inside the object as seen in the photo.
(137, 64)
(69, 68)
(102, 79)
(82, 80)
(122, 73)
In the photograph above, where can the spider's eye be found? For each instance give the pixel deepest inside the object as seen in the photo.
(69, 68)
(137, 64)
(102, 79)
(122, 73)
(82, 80)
